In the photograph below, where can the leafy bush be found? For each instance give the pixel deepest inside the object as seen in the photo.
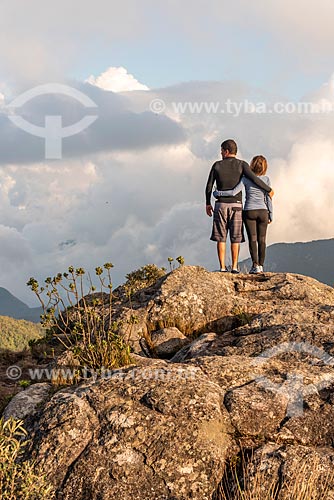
(148, 275)
(19, 479)
(81, 317)
(143, 277)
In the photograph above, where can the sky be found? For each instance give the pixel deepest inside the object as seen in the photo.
(129, 188)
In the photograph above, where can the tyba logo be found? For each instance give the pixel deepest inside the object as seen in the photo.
(53, 132)
(293, 388)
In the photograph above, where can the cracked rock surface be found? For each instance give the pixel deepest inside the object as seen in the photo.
(160, 432)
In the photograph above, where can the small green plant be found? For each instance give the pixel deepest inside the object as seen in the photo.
(19, 479)
(142, 278)
(24, 383)
(170, 260)
(242, 316)
(81, 317)
(179, 259)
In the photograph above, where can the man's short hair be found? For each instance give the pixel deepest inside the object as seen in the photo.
(230, 145)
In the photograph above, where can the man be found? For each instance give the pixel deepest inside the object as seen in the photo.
(227, 173)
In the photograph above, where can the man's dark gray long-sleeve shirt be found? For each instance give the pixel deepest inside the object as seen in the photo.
(227, 174)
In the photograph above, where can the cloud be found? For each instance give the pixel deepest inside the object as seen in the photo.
(111, 214)
(292, 33)
(133, 207)
(276, 37)
(304, 185)
(116, 127)
(300, 33)
(60, 36)
(117, 80)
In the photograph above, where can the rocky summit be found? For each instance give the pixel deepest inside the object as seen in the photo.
(223, 365)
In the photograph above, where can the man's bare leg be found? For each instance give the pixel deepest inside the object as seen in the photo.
(235, 247)
(221, 248)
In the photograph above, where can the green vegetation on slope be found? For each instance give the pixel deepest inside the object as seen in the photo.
(16, 333)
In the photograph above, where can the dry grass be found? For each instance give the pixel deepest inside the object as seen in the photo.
(307, 480)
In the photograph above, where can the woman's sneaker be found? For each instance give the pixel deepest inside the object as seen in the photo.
(254, 270)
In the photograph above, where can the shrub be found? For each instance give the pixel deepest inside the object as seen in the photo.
(148, 275)
(18, 478)
(143, 277)
(81, 317)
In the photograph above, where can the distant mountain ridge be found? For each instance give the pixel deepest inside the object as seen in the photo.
(313, 258)
(15, 308)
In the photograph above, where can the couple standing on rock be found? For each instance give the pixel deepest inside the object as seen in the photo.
(230, 175)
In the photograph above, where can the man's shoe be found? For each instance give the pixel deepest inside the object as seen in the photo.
(235, 271)
(221, 270)
(253, 270)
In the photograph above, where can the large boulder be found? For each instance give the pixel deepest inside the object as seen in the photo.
(256, 374)
(147, 432)
(26, 403)
(197, 301)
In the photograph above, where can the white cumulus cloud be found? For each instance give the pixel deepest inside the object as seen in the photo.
(117, 80)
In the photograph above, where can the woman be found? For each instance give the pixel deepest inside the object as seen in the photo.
(257, 213)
